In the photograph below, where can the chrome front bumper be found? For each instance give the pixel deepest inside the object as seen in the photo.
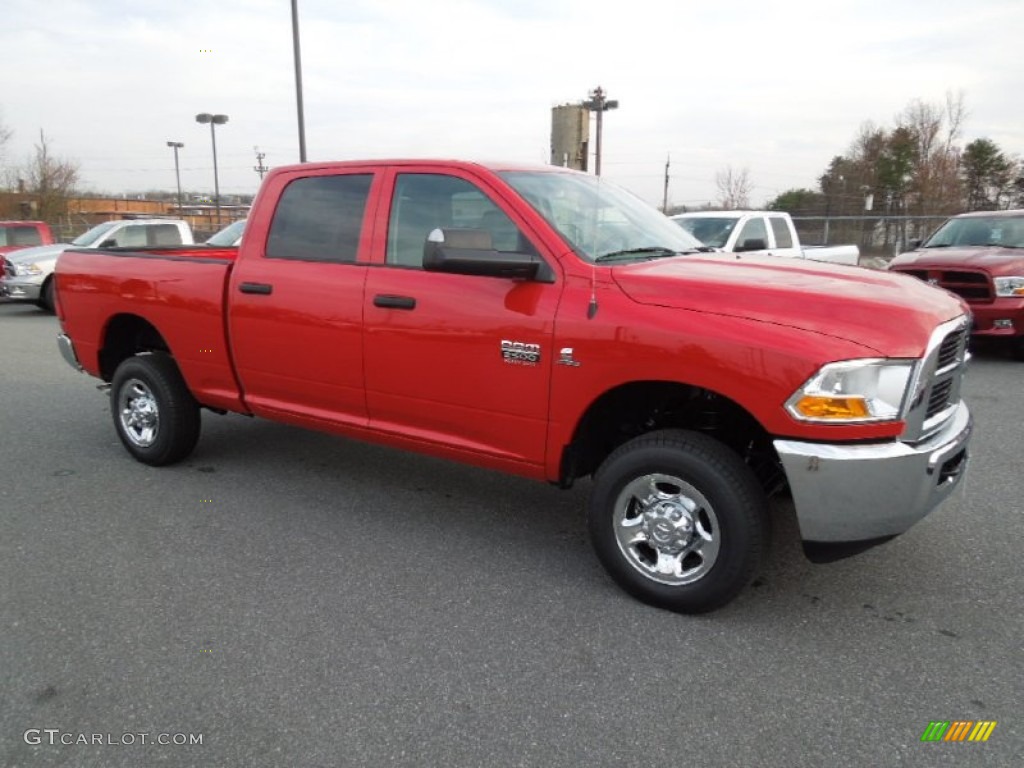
(868, 493)
(20, 289)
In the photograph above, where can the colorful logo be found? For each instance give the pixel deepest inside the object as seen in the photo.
(958, 730)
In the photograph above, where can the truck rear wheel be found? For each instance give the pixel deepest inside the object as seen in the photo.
(154, 413)
(678, 520)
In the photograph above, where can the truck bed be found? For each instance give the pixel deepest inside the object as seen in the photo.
(180, 290)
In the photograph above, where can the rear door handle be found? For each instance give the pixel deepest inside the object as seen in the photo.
(394, 302)
(264, 289)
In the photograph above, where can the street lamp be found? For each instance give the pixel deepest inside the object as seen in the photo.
(598, 103)
(213, 120)
(176, 145)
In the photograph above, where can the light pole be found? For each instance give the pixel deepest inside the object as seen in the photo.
(298, 80)
(598, 103)
(176, 145)
(214, 120)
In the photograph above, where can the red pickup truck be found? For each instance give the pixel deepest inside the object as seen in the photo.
(979, 256)
(543, 322)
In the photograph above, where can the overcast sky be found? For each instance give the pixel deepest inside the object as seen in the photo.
(778, 88)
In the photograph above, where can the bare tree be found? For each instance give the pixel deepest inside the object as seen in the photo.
(51, 179)
(733, 188)
(934, 128)
(5, 136)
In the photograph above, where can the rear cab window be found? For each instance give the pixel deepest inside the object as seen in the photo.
(18, 235)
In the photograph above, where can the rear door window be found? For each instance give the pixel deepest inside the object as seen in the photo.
(320, 218)
(783, 239)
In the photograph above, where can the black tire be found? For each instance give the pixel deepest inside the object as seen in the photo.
(1018, 348)
(154, 413)
(728, 505)
(46, 299)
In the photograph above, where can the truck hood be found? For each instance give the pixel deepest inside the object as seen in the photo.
(38, 253)
(892, 314)
(992, 259)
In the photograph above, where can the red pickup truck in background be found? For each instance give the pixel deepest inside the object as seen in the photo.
(15, 235)
(980, 257)
(544, 322)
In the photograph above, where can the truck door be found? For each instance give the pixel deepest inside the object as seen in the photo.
(295, 299)
(459, 361)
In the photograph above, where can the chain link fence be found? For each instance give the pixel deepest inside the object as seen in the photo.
(878, 237)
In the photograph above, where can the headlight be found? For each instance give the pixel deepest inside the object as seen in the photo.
(1009, 286)
(27, 269)
(854, 391)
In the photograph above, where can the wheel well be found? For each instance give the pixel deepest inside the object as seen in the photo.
(637, 408)
(127, 335)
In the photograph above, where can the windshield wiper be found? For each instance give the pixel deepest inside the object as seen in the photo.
(650, 252)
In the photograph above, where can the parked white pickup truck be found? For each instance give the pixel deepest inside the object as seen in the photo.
(764, 232)
(28, 273)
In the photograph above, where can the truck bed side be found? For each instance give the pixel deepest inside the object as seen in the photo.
(117, 302)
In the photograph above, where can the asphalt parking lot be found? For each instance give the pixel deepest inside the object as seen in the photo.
(300, 600)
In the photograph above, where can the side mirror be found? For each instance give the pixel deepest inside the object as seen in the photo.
(111, 243)
(752, 244)
(913, 245)
(469, 252)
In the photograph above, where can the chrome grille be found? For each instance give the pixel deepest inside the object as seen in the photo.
(973, 286)
(939, 397)
(952, 347)
(937, 391)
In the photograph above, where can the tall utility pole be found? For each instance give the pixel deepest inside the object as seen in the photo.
(599, 104)
(260, 168)
(176, 145)
(664, 200)
(298, 80)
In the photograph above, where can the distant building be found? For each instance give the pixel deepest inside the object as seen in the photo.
(570, 136)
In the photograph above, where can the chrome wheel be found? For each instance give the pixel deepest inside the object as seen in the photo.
(666, 529)
(139, 413)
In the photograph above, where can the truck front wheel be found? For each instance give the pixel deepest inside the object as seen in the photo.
(154, 413)
(678, 520)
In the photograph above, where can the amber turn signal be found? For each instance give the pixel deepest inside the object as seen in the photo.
(822, 407)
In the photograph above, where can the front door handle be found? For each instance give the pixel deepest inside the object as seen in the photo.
(394, 302)
(264, 289)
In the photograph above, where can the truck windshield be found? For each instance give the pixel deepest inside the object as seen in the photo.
(229, 236)
(710, 230)
(598, 218)
(1005, 231)
(93, 236)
